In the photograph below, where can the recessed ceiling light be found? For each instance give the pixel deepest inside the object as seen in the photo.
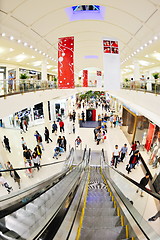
(3, 34)
(31, 46)
(147, 55)
(145, 44)
(33, 57)
(44, 54)
(11, 49)
(25, 44)
(11, 37)
(35, 49)
(141, 48)
(8, 59)
(150, 41)
(40, 52)
(137, 50)
(19, 41)
(155, 37)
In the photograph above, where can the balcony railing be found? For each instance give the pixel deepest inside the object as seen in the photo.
(8, 87)
(144, 86)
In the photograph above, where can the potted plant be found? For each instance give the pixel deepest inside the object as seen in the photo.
(23, 83)
(55, 82)
(156, 76)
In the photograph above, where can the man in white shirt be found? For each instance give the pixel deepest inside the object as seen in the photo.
(116, 154)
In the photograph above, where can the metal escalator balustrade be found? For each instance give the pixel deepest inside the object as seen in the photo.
(27, 219)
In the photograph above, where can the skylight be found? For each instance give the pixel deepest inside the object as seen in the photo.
(86, 8)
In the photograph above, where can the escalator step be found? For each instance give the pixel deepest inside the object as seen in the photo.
(99, 222)
(101, 211)
(90, 234)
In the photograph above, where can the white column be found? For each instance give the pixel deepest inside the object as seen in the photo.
(136, 71)
(44, 70)
(46, 114)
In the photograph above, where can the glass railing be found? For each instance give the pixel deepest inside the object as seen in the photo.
(8, 87)
(130, 196)
(144, 86)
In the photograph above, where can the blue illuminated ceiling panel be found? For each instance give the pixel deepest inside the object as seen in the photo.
(83, 12)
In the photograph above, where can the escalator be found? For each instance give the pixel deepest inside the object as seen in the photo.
(100, 217)
(84, 204)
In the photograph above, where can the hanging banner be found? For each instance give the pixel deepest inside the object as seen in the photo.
(150, 135)
(85, 78)
(66, 62)
(111, 61)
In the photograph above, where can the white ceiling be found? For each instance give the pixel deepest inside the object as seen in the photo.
(40, 23)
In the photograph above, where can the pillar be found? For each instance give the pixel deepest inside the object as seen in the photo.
(46, 114)
(44, 70)
(136, 71)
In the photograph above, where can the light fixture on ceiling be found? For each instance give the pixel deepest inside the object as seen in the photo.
(141, 47)
(11, 49)
(25, 44)
(35, 49)
(3, 34)
(155, 37)
(33, 57)
(44, 54)
(11, 38)
(8, 59)
(145, 44)
(31, 46)
(150, 41)
(40, 52)
(19, 41)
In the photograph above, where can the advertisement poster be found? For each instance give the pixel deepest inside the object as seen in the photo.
(150, 136)
(66, 62)
(110, 47)
(85, 78)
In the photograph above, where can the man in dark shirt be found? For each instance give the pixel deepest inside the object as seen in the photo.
(27, 155)
(144, 181)
(6, 143)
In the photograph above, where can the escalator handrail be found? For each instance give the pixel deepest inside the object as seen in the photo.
(155, 195)
(42, 165)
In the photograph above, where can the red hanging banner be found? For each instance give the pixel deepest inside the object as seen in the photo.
(66, 62)
(150, 135)
(85, 78)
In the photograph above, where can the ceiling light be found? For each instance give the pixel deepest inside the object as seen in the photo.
(134, 52)
(138, 50)
(44, 54)
(33, 57)
(150, 41)
(8, 59)
(3, 34)
(20, 57)
(25, 44)
(31, 46)
(19, 41)
(35, 49)
(145, 44)
(11, 49)
(155, 37)
(40, 52)
(141, 48)
(37, 63)
(11, 37)
(147, 55)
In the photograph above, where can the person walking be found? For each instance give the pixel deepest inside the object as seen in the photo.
(21, 126)
(25, 124)
(123, 152)
(143, 183)
(54, 128)
(6, 143)
(74, 116)
(59, 141)
(133, 147)
(17, 178)
(5, 184)
(38, 151)
(9, 166)
(74, 129)
(61, 125)
(83, 116)
(23, 142)
(116, 154)
(78, 141)
(36, 160)
(39, 139)
(99, 137)
(133, 160)
(46, 134)
(64, 143)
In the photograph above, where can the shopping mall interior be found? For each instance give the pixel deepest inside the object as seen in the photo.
(75, 81)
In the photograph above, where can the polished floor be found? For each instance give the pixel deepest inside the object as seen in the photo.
(146, 206)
